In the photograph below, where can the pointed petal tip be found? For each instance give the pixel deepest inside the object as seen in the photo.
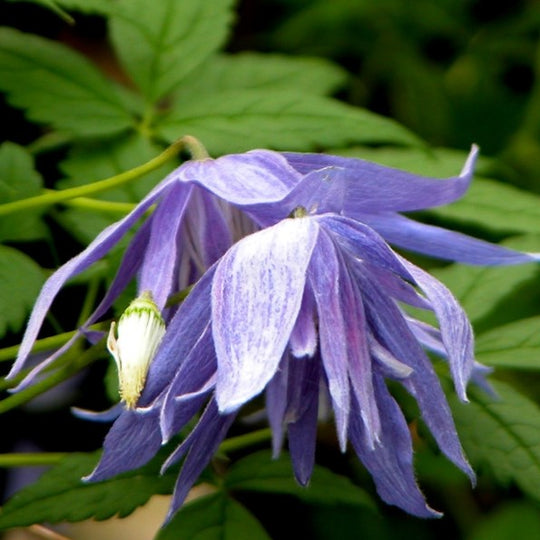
(471, 160)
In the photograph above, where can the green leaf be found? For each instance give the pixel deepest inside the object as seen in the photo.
(161, 45)
(61, 495)
(213, 517)
(248, 70)
(495, 206)
(59, 87)
(236, 121)
(511, 520)
(513, 346)
(259, 472)
(503, 434)
(20, 281)
(491, 291)
(19, 180)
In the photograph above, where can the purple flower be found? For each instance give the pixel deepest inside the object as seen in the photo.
(314, 304)
(189, 229)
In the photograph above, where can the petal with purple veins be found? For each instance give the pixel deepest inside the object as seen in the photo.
(373, 188)
(324, 278)
(442, 243)
(256, 296)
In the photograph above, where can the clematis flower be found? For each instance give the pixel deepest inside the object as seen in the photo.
(315, 302)
(312, 303)
(188, 230)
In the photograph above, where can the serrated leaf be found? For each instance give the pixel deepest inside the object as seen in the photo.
(513, 346)
(483, 290)
(61, 495)
(259, 472)
(59, 87)
(249, 70)
(20, 281)
(240, 120)
(213, 517)
(19, 180)
(503, 434)
(161, 45)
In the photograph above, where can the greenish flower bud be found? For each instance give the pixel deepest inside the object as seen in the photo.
(138, 335)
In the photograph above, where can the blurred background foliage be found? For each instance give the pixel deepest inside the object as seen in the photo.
(452, 72)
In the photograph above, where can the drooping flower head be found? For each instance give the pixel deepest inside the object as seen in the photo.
(315, 302)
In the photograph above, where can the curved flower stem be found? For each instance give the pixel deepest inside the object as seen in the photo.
(237, 443)
(49, 198)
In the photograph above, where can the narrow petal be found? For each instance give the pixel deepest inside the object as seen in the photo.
(324, 276)
(102, 416)
(256, 296)
(372, 188)
(201, 444)
(302, 415)
(276, 405)
(207, 230)
(364, 243)
(359, 359)
(131, 442)
(193, 372)
(128, 267)
(258, 176)
(183, 333)
(391, 366)
(391, 462)
(303, 341)
(456, 330)
(392, 331)
(158, 270)
(102, 244)
(442, 243)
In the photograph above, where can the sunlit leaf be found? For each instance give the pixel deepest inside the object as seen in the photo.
(61, 495)
(249, 70)
(514, 346)
(56, 86)
(503, 434)
(161, 44)
(20, 281)
(19, 180)
(240, 120)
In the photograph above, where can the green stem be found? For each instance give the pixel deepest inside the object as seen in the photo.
(55, 378)
(46, 344)
(49, 198)
(101, 206)
(249, 439)
(31, 459)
